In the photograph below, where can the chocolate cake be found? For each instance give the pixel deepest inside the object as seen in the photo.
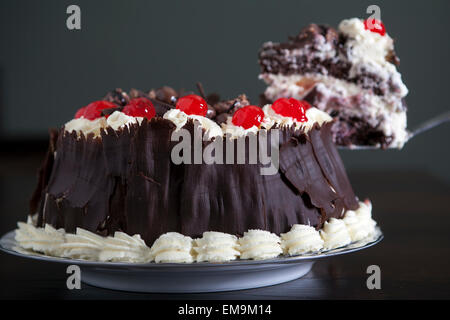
(349, 72)
(123, 181)
(110, 169)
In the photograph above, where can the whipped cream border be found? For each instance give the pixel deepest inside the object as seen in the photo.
(119, 120)
(213, 246)
(116, 121)
(271, 119)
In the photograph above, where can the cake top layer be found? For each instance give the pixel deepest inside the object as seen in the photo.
(235, 117)
(356, 52)
(352, 39)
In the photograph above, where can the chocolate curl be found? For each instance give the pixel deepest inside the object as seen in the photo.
(201, 90)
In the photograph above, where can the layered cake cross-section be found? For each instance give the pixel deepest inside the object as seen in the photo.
(349, 72)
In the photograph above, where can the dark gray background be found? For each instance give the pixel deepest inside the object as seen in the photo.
(47, 71)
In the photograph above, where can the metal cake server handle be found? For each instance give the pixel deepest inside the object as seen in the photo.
(425, 126)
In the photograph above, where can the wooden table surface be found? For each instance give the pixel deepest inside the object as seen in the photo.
(412, 209)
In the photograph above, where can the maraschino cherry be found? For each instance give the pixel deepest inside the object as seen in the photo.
(248, 116)
(140, 107)
(80, 112)
(192, 104)
(375, 26)
(94, 110)
(291, 108)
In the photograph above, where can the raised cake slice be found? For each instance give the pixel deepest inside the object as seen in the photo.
(351, 73)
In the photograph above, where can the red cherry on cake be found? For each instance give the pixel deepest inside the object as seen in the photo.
(94, 110)
(248, 116)
(304, 106)
(291, 108)
(192, 104)
(283, 106)
(140, 107)
(376, 26)
(80, 113)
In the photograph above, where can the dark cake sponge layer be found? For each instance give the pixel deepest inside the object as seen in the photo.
(126, 181)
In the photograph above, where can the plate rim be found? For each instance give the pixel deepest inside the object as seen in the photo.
(285, 259)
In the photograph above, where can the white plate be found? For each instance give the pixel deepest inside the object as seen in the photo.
(193, 277)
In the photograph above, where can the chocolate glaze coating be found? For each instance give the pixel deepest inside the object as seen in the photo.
(126, 181)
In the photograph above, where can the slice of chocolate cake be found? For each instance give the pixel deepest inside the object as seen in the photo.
(350, 73)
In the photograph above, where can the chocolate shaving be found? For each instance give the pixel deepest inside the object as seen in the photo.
(200, 90)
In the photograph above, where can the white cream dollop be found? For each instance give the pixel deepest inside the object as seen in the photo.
(359, 223)
(259, 245)
(83, 245)
(86, 126)
(119, 120)
(116, 121)
(335, 234)
(172, 247)
(301, 239)
(125, 248)
(45, 240)
(233, 131)
(179, 119)
(365, 44)
(216, 247)
(313, 115)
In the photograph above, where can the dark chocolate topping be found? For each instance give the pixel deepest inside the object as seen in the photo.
(117, 96)
(110, 111)
(227, 108)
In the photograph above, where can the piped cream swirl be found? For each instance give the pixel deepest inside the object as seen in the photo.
(125, 248)
(335, 234)
(359, 222)
(172, 247)
(216, 247)
(259, 245)
(301, 239)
